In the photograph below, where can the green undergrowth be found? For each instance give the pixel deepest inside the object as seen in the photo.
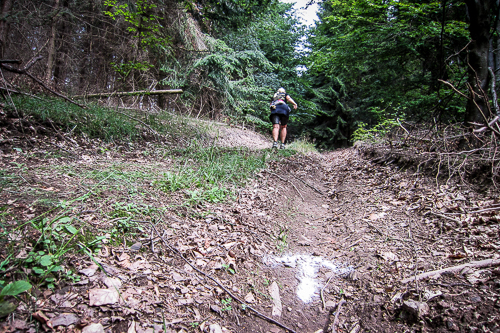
(108, 202)
(105, 123)
(213, 173)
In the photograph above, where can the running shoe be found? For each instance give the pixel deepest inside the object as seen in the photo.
(282, 146)
(275, 144)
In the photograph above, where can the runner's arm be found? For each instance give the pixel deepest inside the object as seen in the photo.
(289, 99)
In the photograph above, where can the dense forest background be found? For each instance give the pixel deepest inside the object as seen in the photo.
(366, 64)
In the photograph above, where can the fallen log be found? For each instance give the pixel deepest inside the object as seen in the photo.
(473, 264)
(132, 93)
(24, 71)
(10, 61)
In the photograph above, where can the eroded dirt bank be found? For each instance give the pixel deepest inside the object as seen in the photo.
(316, 230)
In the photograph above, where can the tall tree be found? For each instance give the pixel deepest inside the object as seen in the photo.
(480, 14)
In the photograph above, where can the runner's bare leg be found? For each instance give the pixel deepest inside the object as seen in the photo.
(283, 133)
(276, 131)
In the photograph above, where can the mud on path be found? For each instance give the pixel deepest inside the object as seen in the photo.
(310, 231)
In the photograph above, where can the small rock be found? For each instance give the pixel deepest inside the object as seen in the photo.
(289, 309)
(416, 309)
(214, 328)
(475, 299)
(330, 304)
(93, 328)
(378, 299)
(249, 298)
(451, 325)
(215, 308)
(136, 247)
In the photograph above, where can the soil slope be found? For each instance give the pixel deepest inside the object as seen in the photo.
(319, 242)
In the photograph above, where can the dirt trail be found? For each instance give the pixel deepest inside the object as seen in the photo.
(315, 229)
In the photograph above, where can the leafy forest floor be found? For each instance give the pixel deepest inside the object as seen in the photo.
(112, 241)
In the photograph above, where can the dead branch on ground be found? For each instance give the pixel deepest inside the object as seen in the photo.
(245, 305)
(473, 264)
(24, 71)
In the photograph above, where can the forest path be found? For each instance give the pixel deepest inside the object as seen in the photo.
(315, 229)
(339, 225)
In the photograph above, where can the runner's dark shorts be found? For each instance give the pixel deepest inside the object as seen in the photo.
(279, 119)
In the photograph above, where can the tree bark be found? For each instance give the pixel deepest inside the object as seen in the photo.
(52, 45)
(4, 25)
(480, 16)
(61, 50)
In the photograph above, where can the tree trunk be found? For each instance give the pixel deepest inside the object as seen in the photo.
(480, 14)
(4, 25)
(61, 52)
(52, 45)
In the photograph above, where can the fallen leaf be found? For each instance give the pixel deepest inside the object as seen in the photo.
(89, 271)
(103, 296)
(64, 319)
(112, 282)
(249, 298)
(123, 256)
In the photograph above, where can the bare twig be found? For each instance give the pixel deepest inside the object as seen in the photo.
(286, 180)
(336, 320)
(454, 89)
(446, 217)
(246, 306)
(474, 264)
(24, 71)
(322, 289)
(309, 185)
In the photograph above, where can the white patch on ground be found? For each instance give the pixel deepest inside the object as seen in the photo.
(307, 272)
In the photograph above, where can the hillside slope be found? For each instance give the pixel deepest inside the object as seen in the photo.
(309, 242)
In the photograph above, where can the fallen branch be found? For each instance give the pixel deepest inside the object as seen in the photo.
(246, 306)
(335, 321)
(446, 217)
(24, 71)
(10, 61)
(322, 289)
(454, 89)
(307, 184)
(286, 180)
(132, 93)
(484, 210)
(473, 264)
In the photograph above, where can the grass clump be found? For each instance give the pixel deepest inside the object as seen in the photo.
(100, 122)
(303, 147)
(212, 173)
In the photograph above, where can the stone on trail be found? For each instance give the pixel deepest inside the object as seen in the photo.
(274, 291)
(215, 328)
(416, 309)
(93, 328)
(136, 246)
(249, 298)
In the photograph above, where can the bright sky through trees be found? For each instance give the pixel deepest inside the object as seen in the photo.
(308, 16)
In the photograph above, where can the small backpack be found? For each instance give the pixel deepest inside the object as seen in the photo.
(278, 98)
